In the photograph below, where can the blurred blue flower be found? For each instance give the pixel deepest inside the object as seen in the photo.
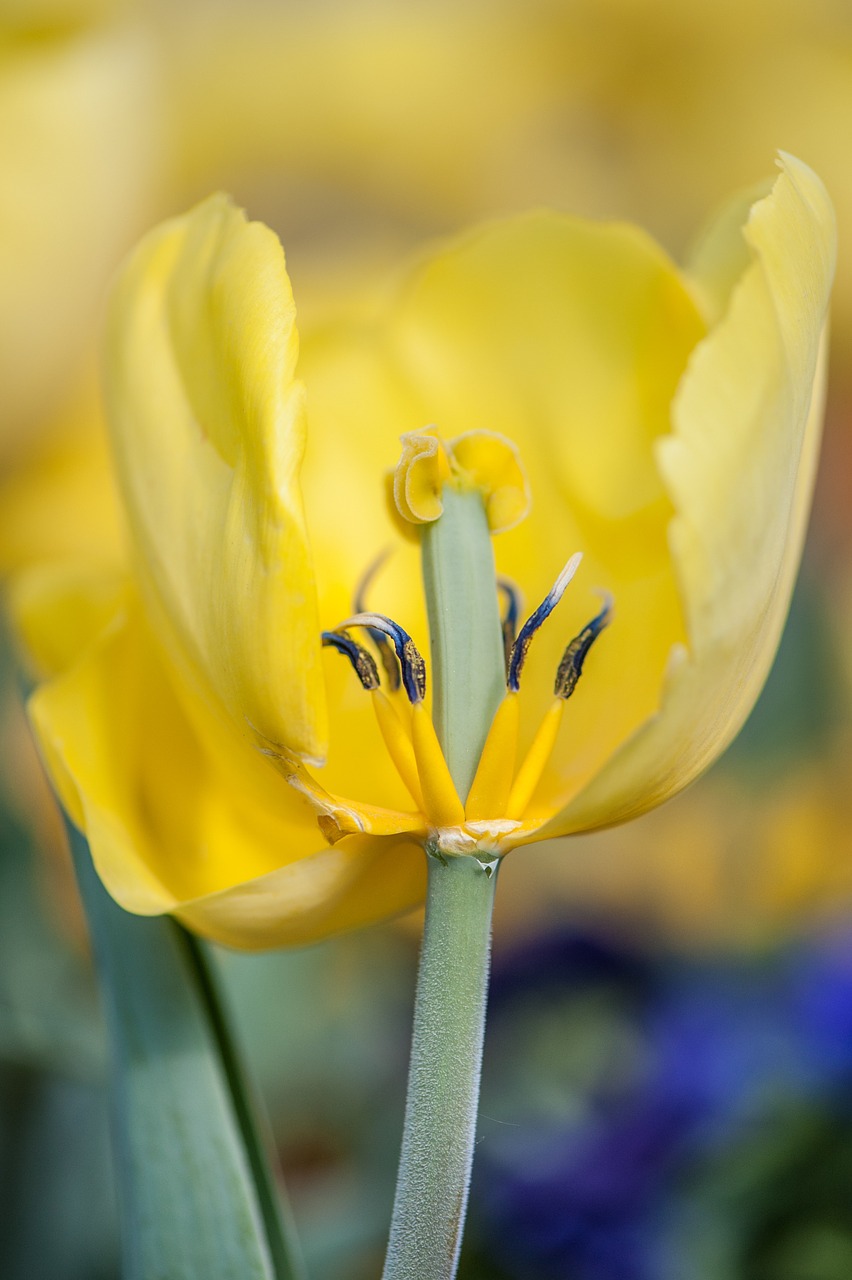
(640, 1077)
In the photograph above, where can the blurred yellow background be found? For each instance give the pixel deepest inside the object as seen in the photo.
(359, 131)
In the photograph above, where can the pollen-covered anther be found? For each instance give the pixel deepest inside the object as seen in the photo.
(411, 741)
(379, 639)
(410, 660)
(521, 646)
(497, 792)
(571, 667)
(360, 658)
(496, 814)
(413, 746)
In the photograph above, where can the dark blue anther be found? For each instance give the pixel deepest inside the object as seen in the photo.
(362, 661)
(571, 666)
(380, 640)
(411, 663)
(534, 621)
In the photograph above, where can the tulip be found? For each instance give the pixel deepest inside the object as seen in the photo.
(666, 424)
(244, 725)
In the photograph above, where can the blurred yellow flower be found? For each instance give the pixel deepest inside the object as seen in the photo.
(721, 867)
(668, 423)
(79, 136)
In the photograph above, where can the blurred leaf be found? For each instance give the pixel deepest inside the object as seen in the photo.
(332, 1064)
(56, 1178)
(197, 1199)
(48, 1014)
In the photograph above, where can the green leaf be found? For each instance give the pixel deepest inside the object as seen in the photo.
(197, 1198)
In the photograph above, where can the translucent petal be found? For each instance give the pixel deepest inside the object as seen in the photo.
(569, 338)
(326, 893)
(177, 818)
(739, 467)
(208, 430)
(59, 608)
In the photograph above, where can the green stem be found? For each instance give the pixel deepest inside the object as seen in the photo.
(443, 1081)
(468, 682)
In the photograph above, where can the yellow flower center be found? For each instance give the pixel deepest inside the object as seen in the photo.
(496, 814)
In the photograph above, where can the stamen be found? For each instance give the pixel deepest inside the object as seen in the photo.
(532, 770)
(571, 666)
(362, 661)
(412, 664)
(337, 816)
(535, 762)
(380, 640)
(399, 745)
(534, 621)
(509, 620)
(489, 791)
(441, 800)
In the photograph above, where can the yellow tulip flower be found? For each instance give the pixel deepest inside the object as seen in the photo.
(223, 761)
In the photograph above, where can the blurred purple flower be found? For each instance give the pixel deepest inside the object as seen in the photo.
(697, 1058)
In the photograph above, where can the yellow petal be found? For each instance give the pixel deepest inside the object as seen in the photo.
(566, 337)
(324, 894)
(176, 816)
(59, 608)
(208, 429)
(720, 254)
(739, 467)
(569, 338)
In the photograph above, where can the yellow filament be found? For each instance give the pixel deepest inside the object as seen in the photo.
(529, 774)
(398, 699)
(489, 792)
(382, 822)
(399, 745)
(348, 817)
(440, 798)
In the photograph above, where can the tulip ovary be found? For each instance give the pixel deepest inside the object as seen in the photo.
(465, 630)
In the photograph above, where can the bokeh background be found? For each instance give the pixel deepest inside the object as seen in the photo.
(668, 1076)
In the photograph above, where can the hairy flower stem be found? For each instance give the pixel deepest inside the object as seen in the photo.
(443, 1081)
(449, 1017)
